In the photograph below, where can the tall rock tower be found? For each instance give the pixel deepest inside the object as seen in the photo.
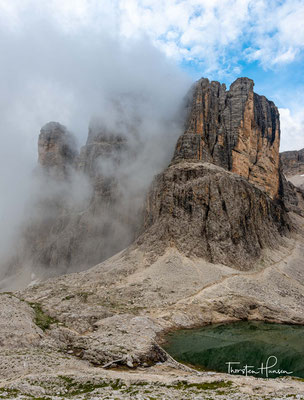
(235, 129)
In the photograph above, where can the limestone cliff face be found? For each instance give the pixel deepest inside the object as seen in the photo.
(235, 129)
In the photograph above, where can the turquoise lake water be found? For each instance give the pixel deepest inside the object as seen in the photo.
(268, 350)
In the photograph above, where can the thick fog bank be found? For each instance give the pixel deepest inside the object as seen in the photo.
(80, 78)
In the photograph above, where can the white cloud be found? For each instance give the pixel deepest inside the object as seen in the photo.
(277, 36)
(208, 31)
(196, 30)
(292, 128)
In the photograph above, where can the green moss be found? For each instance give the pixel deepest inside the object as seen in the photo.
(116, 385)
(43, 320)
(141, 383)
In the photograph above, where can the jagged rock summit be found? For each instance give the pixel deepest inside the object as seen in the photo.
(80, 217)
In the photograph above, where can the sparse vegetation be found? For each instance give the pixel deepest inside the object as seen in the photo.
(42, 319)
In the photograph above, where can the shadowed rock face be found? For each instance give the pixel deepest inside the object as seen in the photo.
(79, 238)
(236, 129)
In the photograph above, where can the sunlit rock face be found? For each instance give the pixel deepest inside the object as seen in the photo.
(223, 197)
(235, 129)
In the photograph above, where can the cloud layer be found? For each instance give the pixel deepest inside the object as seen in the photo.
(219, 34)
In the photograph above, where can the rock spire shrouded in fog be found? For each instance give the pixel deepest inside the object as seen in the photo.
(56, 149)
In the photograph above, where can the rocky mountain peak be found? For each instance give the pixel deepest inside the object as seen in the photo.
(235, 129)
(221, 196)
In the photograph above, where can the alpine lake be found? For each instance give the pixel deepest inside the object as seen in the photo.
(260, 349)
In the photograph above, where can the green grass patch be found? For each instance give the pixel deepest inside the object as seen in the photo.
(42, 319)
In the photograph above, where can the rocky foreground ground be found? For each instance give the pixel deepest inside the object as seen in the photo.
(98, 334)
